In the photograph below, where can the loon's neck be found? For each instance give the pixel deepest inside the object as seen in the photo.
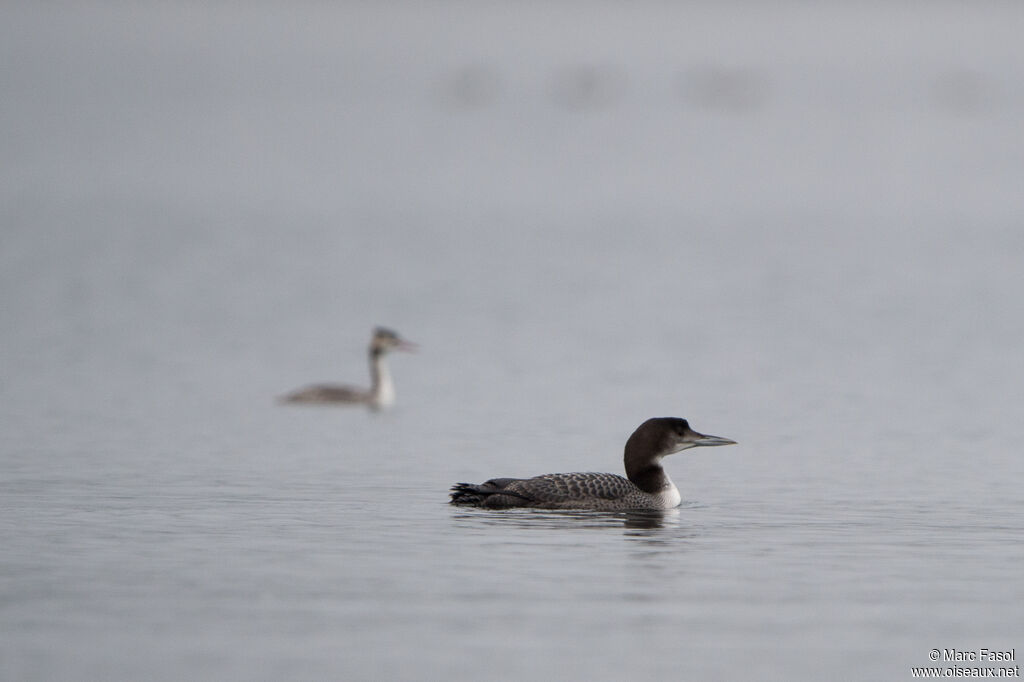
(642, 458)
(382, 389)
(651, 478)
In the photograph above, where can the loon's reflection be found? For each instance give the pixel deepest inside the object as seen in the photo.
(562, 519)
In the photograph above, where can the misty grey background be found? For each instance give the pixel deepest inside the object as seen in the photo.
(797, 225)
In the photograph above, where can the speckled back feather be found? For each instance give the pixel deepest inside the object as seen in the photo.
(578, 490)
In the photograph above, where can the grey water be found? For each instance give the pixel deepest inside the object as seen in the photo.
(798, 226)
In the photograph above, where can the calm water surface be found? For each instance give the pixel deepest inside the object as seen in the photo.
(812, 246)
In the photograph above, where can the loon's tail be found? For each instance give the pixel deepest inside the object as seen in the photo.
(477, 495)
(468, 494)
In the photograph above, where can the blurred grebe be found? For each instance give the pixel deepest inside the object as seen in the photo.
(382, 390)
(647, 486)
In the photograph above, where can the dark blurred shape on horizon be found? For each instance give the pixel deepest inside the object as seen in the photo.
(726, 90)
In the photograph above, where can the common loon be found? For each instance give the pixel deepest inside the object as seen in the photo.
(382, 390)
(647, 485)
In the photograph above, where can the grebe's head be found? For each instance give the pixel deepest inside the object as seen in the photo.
(385, 340)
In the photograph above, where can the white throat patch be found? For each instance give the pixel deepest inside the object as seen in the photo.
(669, 498)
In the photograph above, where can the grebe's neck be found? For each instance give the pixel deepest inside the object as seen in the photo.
(382, 389)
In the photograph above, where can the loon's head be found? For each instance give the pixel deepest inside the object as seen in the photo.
(661, 436)
(385, 340)
(681, 436)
